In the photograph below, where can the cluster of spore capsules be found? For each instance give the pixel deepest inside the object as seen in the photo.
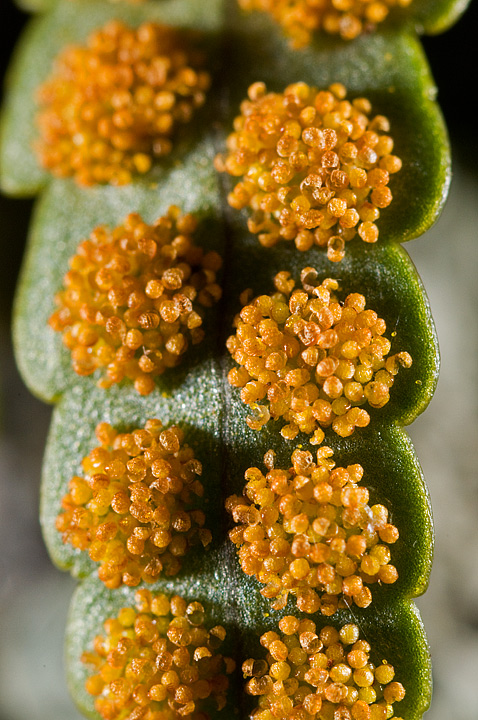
(158, 661)
(309, 531)
(134, 297)
(112, 106)
(300, 19)
(135, 511)
(314, 169)
(312, 361)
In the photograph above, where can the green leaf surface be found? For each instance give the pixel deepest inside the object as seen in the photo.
(392, 287)
(214, 419)
(392, 472)
(65, 215)
(387, 67)
(435, 16)
(390, 69)
(45, 36)
(427, 16)
(195, 404)
(395, 631)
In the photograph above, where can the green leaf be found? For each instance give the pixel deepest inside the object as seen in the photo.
(390, 283)
(390, 69)
(387, 67)
(395, 631)
(435, 16)
(45, 36)
(195, 404)
(67, 214)
(427, 16)
(391, 470)
(64, 216)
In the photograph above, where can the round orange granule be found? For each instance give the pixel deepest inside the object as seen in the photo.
(314, 167)
(310, 532)
(347, 18)
(318, 676)
(132, 509)
(131, 297)
(158, 662)
(110, 108)
(311, 360)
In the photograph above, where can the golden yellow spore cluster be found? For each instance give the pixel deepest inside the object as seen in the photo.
(311, 360)
(324, 675)
(133, 510)
(131, 299)
(300, 19)
(314, 167)
(158, 661)
(110, 107)
(309, 531)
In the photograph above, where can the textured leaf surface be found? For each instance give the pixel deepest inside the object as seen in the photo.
(218, 434)
(395, 629)
(67, 214)
(71, 22)
(427, 16)
(389, 68)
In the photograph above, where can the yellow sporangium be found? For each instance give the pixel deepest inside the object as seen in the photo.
(314, 167)
(158, 661)
(311, 360)
(319, 675)
(134, 510)
(111, 107)
(300, 19)
(132, 300)
(310, 532)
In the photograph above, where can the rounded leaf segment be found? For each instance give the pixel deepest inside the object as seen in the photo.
(311, 360)
(320, 675)
(110, 108)
(309, 531)
(314, 167)
(131, 300)
(133, 508)
(157, 661)
(300, 19)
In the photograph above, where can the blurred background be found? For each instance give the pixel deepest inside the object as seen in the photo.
(34, 597)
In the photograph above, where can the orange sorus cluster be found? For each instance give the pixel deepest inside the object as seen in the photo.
(314, 167)
(300, 19)
(110, 107)
(132, 509)
(309, 531)
(158, 661)
(131, 298)
(311, 360)
(320, 675)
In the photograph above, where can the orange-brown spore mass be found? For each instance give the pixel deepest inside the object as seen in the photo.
(314, 167)
(133, 509)
(132, 297)
(310, 360)
(300, 19)
(320, 675)
(110, 108)
(309, 531)
(157, 661)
